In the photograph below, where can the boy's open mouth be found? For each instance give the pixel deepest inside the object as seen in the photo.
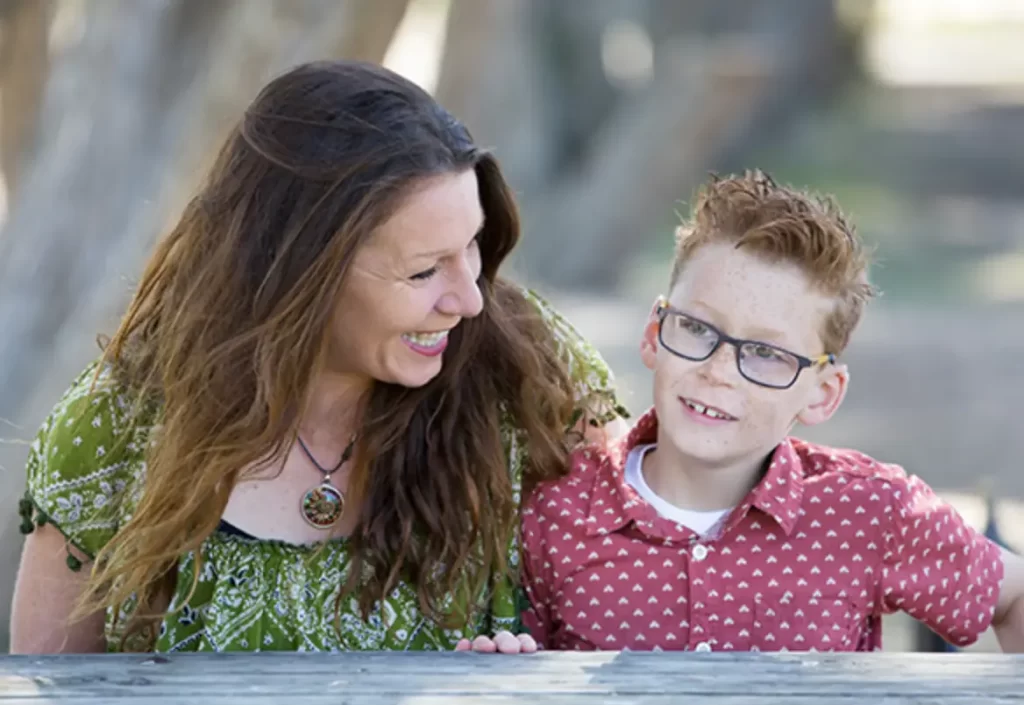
(709, 411)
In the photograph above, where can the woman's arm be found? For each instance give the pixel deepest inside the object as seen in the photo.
(88, 453)
(45, 594)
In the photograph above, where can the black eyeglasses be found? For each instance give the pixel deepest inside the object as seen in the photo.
(761, 363)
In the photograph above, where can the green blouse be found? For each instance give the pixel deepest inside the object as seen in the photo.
(85, 477)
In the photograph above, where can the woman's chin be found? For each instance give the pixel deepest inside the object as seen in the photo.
(416, 376)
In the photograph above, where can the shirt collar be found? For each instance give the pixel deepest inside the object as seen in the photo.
(614, 504)
(781, 491)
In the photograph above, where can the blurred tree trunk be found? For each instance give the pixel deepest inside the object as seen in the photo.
(24, 63)
(138, 93)
(724, 73)
(132, 110)
(492, 79)
(526, 78)
(124, 153)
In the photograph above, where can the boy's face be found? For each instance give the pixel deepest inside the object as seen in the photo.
(708, 410)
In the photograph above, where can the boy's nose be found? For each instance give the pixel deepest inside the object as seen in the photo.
(721, 368)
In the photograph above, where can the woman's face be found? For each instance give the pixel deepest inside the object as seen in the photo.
(410, 284)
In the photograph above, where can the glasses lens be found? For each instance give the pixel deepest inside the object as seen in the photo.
(768, 365)
(687, 337)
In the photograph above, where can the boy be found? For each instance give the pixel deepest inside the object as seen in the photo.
(710, 528)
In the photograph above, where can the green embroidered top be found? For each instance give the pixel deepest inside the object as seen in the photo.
(85, 477)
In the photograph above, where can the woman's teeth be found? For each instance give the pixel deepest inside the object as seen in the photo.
(426, 340)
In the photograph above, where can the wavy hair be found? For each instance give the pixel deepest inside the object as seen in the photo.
(783, 224)
(229, 323)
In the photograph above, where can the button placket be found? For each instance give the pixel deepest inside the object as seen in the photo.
(700, 629)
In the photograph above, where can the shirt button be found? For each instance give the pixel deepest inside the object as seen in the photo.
(703, 646)
(700, 552)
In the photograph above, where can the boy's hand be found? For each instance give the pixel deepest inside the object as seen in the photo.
(503, 643)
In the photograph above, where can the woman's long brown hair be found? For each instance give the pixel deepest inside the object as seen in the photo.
(229, 325)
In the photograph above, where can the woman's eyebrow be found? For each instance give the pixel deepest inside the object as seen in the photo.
(435, 254)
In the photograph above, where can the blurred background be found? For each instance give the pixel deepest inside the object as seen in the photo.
(606, 115)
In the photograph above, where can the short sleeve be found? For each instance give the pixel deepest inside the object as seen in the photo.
(84, 466)
(937, 568)
(594, 381)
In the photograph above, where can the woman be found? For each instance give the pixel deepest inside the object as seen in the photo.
(311, 428)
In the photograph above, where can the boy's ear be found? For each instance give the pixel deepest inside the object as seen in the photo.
(649, 341)
(827, 397)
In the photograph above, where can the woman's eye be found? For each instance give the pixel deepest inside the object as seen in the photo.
(425, 274)
(473, 246)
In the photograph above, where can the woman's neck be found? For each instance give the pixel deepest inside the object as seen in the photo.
(331, 413)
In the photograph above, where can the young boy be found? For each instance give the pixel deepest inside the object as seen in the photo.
(710, 528)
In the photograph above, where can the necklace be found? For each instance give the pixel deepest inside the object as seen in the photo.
(323, 505)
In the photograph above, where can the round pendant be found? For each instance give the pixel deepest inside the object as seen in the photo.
(323, 505)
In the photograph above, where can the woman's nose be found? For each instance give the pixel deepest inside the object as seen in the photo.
(464, 298)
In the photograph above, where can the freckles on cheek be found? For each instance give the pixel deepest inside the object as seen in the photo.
(664, 388)
(766, 425)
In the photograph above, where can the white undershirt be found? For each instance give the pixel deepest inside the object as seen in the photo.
(699, 522)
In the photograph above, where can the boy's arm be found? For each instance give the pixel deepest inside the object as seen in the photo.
(536, 580)
(534, 613)
(937, 568)
(1008, 621)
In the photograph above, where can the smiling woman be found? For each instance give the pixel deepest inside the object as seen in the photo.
(413, 283)
(312, 427)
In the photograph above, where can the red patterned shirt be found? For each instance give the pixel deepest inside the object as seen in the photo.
(826, 543)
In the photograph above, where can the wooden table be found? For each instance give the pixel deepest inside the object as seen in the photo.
(546, 678)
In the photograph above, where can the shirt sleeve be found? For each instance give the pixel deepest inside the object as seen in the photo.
(937, 568)
(81, 467)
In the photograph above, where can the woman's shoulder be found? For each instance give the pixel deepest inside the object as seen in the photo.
(564, 331)
(593, 378)
(85, 465)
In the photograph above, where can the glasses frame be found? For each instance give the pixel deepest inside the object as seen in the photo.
(663, 310)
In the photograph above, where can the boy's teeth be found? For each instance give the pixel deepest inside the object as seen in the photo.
(701, 409)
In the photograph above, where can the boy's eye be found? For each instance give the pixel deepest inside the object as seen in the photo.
(693, 327)
(425, 274)
(766, 352)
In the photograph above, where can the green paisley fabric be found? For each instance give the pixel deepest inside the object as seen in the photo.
(85, 475)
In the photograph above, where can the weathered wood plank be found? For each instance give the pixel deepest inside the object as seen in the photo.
(626, 677)
(387, 698)
(558, 699)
